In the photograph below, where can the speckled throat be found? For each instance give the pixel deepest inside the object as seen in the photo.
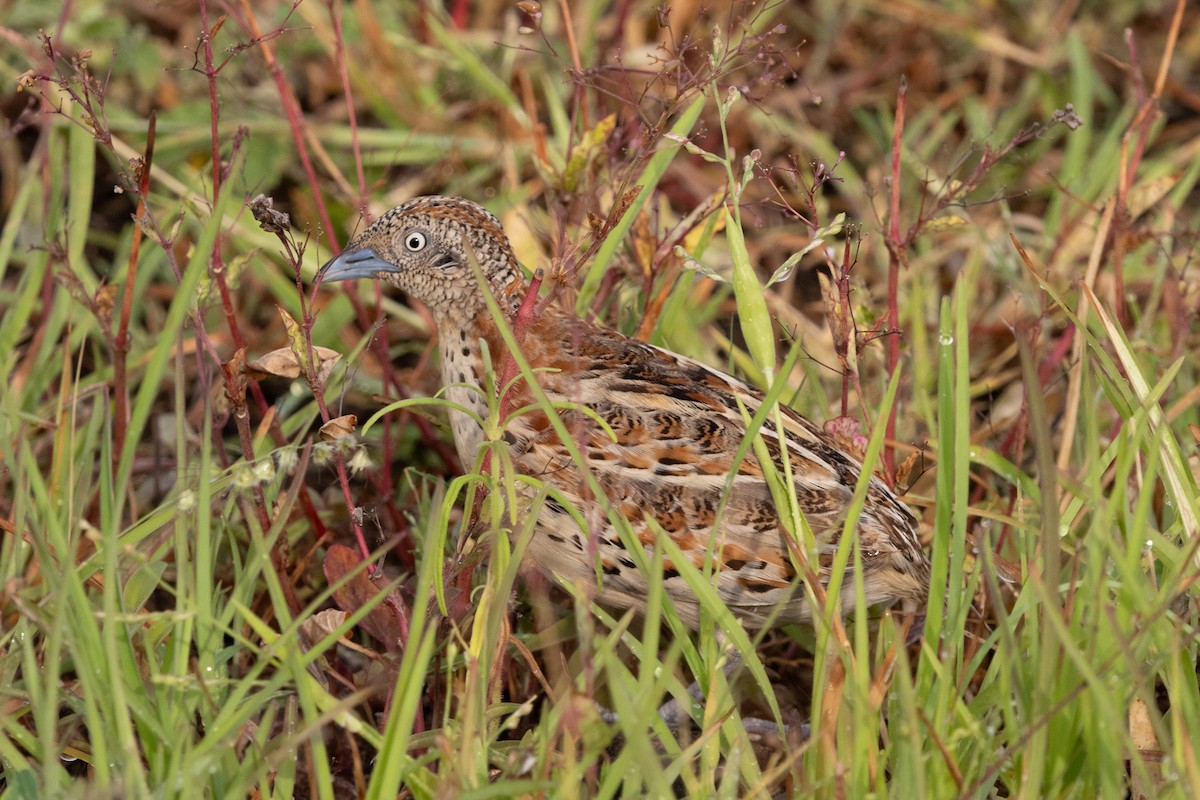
(460, 346)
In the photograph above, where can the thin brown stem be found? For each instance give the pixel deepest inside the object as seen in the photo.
(895, 258)
(121, 343)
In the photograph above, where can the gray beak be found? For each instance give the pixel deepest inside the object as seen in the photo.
(352, 264)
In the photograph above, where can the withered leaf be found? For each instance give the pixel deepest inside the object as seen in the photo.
(357, 591)
(284, 363)
(338, 427)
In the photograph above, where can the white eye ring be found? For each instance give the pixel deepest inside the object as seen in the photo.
(414, 241)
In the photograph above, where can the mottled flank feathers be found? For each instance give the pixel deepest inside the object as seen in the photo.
(672, 428)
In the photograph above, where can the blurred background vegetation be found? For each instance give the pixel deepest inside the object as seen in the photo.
(995, 206)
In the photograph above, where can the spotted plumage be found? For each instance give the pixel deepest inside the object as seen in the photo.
(664, 456)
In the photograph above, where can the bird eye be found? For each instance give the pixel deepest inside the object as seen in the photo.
(414, 241)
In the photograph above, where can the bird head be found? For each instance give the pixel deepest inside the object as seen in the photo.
(424, 248)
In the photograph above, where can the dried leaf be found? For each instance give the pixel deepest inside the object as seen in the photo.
(911, 468)
(1145, 194)
(1141, 728)
(642, 240)
(326, 360)
(841, 329)
(235, 369)
(321, 625)
(105, 299)
(292, 361)
(295, 336)
(281, 362)
(357, 591)
(269, 219)
(338, 427)
(617, 212)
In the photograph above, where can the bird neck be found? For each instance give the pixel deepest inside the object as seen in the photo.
(463, 332)
(462, 336)
(463, 379)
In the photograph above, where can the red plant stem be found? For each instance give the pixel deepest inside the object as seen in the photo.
(296, 123)
(234, 384)
(526, 313)
(344, 73)
(847, 326)
(1139, 130)
(895, 254)
(121, 344)
(458, 14)
(217, 265)
(295, 117)
(210, 73)
(525, 316)
(576, 63)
